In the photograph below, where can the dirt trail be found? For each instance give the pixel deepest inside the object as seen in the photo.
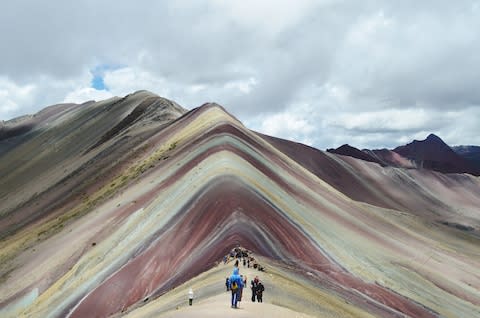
(285, 296)
(219, 305)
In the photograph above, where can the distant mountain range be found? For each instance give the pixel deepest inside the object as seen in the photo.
(432, 153)
(471, 153)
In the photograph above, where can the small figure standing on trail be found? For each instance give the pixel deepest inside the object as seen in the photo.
(190, 297)
(240, 291)
(244, 262)
(260, 290)
(236, 284)
(236, 263)
(227, 284)
(253, 287)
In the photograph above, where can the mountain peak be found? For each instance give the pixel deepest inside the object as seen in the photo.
(433, 153)
(347, 150)
(434, 138)
(143, 92)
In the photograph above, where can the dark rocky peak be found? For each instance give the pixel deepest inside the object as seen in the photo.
(434, 139)
(432, 146)
(347, 150)
(434, 154)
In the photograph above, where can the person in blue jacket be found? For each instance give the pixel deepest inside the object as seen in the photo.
(236, 284)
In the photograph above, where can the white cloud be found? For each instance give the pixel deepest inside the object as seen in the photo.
(289, 125)
(369, 29)
(197, 88)
(270, 16)
(84, 94)
(14, 96)
(242, 86)
(337, 92)
(126, 80)
(390, 119)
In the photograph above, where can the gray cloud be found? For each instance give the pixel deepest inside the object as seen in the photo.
(323, 64)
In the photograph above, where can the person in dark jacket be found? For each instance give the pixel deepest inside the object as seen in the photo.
(240, 293)
(260, 290)
(235, 285)
(227, 284)
(253, 287)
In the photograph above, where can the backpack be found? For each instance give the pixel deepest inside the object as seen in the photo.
(234, 286)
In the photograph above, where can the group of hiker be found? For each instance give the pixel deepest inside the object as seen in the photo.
(242, 255)
(236, 282)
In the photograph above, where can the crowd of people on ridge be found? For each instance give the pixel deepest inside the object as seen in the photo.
(236, 282)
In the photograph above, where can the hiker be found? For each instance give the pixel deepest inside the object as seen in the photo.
(227, 284)
(244, 262)
(225, 260)
(236, 284)
(248, 263)
(190, 297)
(236, 263)
(240, 292)
(253, 287)
(260, 290)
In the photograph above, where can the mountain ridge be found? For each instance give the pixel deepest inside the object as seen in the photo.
(432, 153)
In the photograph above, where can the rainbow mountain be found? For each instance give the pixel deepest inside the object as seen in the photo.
(109, 207)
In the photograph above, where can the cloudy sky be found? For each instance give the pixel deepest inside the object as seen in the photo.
(368, 73)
